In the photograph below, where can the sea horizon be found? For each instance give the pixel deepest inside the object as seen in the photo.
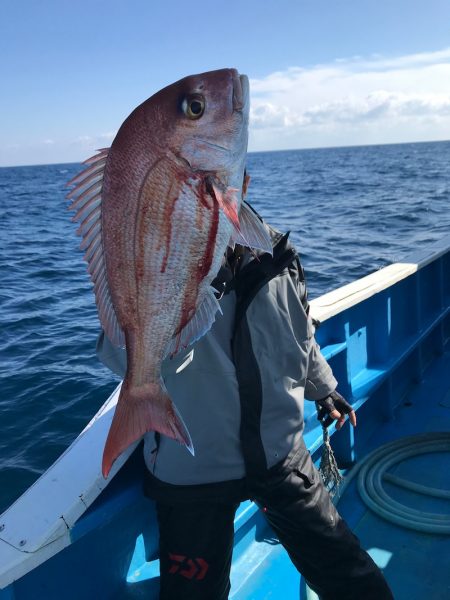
(306, 148)
(350, 211)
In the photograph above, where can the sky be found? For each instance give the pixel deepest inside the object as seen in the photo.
(322, 72)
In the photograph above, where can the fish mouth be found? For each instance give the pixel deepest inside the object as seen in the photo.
(240, 91)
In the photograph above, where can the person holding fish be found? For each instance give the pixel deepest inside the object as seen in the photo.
(204, 312)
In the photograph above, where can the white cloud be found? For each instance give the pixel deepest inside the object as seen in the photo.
(87, 145)
(92, 140)
(353, 101)
(356, 100)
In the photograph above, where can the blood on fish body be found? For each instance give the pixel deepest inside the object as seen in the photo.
(158, 210)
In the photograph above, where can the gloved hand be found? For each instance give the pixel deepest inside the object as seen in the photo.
(334, 407)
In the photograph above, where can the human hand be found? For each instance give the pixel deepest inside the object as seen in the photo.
(334, 407)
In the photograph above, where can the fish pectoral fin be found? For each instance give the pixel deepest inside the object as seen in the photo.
(253, 230)
(248, 229)
(138, 411)
(228, 203)
(197, 326)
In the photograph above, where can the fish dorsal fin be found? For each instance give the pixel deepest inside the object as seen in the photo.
(198, 325)
(86, 200)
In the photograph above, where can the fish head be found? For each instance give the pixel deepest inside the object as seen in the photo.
(200, 122)
(205, 122)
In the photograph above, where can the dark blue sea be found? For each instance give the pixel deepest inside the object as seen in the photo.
(350, 211)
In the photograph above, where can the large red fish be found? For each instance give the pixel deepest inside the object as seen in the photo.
(157, 211)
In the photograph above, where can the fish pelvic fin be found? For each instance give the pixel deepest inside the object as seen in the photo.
(200, 323)
(138, 411)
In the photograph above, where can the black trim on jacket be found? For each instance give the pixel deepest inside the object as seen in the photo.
(247, 284)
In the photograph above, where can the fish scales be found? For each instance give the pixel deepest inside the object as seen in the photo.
(155, 224)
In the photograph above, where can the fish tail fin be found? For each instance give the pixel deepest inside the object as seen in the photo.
(139, 410)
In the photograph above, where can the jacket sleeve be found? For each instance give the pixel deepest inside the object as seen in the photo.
(112, 357)
(320, 381)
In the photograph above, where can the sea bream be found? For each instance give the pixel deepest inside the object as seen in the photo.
(157, 211)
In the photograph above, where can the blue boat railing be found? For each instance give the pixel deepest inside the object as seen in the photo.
(379, 334)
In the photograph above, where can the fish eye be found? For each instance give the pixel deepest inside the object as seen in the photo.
(193, 106)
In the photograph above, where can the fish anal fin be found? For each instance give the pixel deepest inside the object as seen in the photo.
(139, 410)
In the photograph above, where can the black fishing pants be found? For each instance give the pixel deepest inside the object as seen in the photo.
(195, 548)
(196, 539)
(318, 541)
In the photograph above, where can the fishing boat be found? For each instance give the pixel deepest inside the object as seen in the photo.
(74, 535)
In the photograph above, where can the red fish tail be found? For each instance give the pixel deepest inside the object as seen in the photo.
(139, 410)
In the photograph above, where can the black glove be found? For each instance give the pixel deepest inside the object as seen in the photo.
(333, 401)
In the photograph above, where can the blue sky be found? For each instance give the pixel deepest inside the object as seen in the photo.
(322, 73)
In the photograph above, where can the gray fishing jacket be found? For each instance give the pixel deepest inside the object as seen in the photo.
(240, 389)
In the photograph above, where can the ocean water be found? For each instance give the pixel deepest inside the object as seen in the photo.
(350, 211)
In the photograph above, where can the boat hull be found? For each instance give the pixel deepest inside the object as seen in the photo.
(386, 337)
